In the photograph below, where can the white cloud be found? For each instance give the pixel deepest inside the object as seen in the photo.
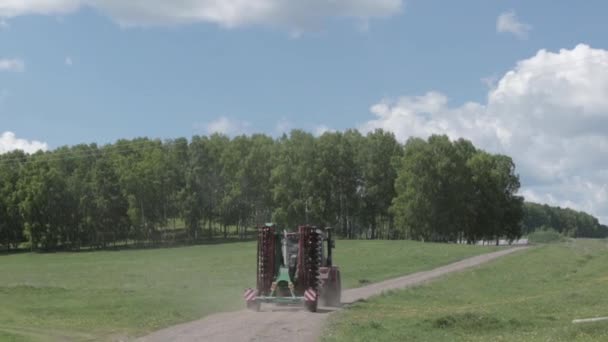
(15, 65)
(10, 142)
(283, 126)
(507, 22)
(322, 129)
(550, 113)
(228, 126)
(292, 14)
(68, 61)
(14, 8)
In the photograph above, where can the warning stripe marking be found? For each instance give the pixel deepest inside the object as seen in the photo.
(310, 295)
(250, 294)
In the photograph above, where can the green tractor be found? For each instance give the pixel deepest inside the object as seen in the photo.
(295, 268)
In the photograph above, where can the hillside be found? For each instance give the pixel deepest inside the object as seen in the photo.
(100, 294)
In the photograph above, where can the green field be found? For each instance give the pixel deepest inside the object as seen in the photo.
(530, 296)
(111, 294)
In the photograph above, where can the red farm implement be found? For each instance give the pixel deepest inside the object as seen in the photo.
(295, 268)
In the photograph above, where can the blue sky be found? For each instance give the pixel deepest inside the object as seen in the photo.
(170, 81)
(99, 70)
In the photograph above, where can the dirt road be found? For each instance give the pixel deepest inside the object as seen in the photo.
(280, 323)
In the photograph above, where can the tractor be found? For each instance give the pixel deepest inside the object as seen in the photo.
(295, 268)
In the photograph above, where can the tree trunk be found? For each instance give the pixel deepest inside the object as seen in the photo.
(195, 227)
(143, 217)
(210, 228)
(373, 228)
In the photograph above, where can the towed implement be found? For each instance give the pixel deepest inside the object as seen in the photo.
(295, 268)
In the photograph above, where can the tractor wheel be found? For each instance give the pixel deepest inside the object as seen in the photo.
(333, 294)
(335, 299)
(311, 306)
(254, 306)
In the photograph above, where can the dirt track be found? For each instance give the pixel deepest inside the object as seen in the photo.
(280, 323)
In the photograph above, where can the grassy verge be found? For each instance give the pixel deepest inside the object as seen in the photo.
(6, 336)
(112, 294)
(546, 236)
(362, 262)
(529, 296)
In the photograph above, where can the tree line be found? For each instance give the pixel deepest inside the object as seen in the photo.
(566, 221)
(143, 191)
(451, 191)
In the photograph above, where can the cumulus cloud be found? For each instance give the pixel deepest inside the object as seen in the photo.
(283, 126)
(228, 126)
(508, 22)
(10, 142)
(14, 65)
(322, 129)
(550, 113)
(293, 14)
(14, 8)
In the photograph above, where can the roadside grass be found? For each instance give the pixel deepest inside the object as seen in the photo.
(532, 295)
(119, 294)
(362, 262)
(546, 236)
(10, 337)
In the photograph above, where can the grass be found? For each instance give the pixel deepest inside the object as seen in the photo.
(10, 337)
(114, 294)
(529, 296)
(545, 236)
(363, 262)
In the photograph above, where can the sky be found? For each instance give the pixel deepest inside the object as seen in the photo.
(524, 78)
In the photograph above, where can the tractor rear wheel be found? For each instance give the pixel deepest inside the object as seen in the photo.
(335, 297)
(337, 300)
(254, 306)
(311, 306)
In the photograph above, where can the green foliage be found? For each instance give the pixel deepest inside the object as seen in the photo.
(449, 191)
(115, 295)
(521, 297)
(133, 191)
(11, 221)
(365, 186)
(545, 235)
(566, 221)
(377, 158)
